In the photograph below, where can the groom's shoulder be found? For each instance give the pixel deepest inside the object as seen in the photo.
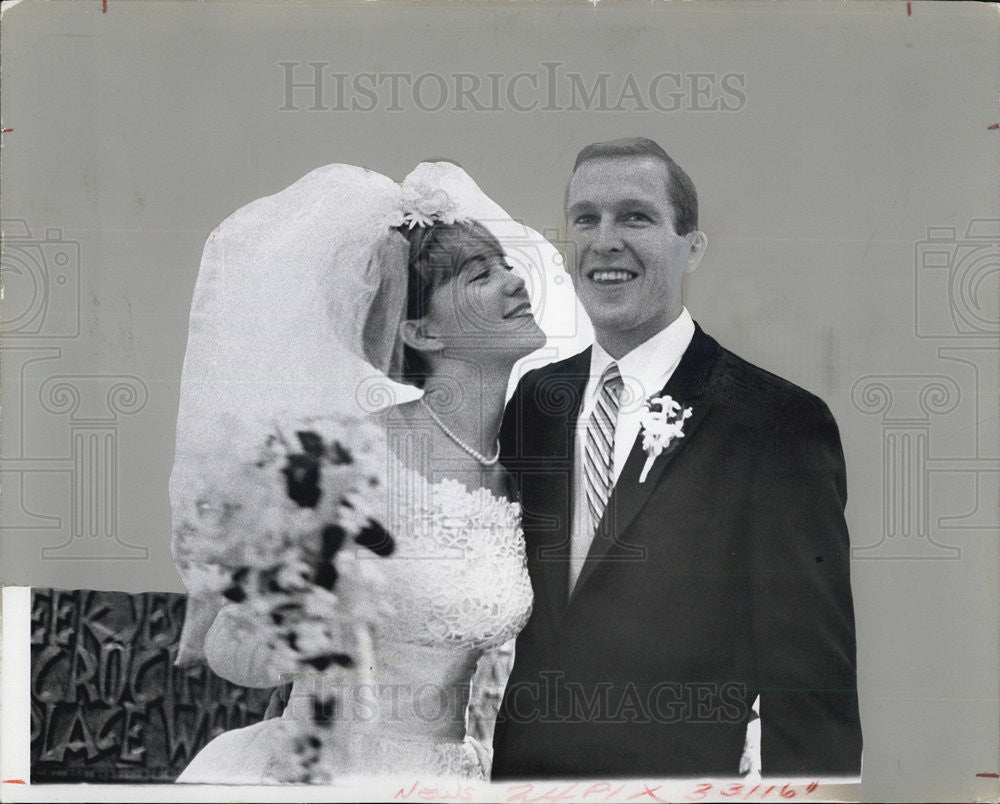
(574, 367)
(764, 394)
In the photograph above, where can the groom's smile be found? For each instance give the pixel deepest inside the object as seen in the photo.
(611, 276)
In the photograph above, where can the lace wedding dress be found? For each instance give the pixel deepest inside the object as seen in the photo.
(458, 586)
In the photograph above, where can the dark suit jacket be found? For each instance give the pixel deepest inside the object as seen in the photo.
(725, 575)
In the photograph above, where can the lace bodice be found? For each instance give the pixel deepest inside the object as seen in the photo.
(458, 578)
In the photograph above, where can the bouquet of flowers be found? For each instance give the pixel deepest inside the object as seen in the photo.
(286, 525)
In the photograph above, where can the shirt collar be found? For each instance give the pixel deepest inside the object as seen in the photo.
(651, 363)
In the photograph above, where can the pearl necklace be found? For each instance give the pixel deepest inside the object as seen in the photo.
(445, 429)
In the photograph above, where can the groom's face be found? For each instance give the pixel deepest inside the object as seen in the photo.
(628, 262)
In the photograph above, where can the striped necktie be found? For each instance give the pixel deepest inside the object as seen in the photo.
(599, 457)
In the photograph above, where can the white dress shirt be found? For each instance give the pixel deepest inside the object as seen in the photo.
(645, 370)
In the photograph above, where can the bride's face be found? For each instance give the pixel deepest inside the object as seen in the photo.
(483, 308)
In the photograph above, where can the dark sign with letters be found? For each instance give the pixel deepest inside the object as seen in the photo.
(107, 703)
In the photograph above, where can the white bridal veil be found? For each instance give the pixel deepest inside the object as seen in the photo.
(297, 305)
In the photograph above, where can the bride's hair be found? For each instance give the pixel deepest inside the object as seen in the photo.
(437, 254)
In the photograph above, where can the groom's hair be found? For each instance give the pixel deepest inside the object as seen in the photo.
(680, 189)
(437, 254)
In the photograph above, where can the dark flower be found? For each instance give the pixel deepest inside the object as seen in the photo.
(376, 538)
(326, 577)
(324, 660)
(302, 475)
(235, 593)
(324, 709)
(340, 455)
(333, 538)
(311, 443)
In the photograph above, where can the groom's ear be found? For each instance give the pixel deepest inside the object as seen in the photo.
(414, 334)
(699, 242)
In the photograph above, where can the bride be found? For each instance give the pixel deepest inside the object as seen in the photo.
(340, 516)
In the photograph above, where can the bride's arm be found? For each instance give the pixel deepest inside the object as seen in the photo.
(486, 691)
(237, 651)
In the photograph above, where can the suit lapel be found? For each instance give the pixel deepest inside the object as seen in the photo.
(566, 386)
(686, 386)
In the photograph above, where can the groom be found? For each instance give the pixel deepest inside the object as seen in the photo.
(672, 593)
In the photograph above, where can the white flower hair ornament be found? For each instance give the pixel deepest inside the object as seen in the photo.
(662, 421)
(423, 204)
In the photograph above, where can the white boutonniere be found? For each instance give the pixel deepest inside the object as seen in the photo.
(662, 421)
